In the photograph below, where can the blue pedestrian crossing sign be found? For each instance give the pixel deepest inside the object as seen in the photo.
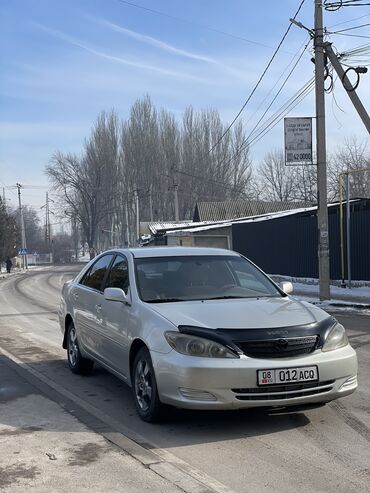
(23, 251)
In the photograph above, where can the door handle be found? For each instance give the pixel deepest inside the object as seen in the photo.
(98, 308)
(75, 296)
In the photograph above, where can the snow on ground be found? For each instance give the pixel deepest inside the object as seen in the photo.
(359, 294)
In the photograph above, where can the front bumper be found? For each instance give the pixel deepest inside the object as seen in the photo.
(207, 383)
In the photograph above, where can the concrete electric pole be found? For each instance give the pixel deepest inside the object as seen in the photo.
(150, 203)
(350, 90)
(176, 200)
(136, 196)
(322, 212)
(23, 231)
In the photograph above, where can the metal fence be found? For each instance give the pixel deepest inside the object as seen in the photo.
(288, 245)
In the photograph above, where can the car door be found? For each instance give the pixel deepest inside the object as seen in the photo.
(116, 317)
(88, 297)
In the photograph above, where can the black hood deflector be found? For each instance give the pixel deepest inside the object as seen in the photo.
(231, 337)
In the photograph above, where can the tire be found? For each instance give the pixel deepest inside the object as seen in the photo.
(145, 390)
(77, 364)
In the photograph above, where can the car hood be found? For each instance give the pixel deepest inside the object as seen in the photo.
(241, 313)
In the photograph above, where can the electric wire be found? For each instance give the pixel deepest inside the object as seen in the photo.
(282, 113)
(303, 45)
(280, 89)
(188, 21)
(349, 20)
(352, 35)
(334, 6)
(259, 80)
(350, 28)
(269, 125)
(296, 99)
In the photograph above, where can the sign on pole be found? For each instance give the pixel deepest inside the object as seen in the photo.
(298, 141)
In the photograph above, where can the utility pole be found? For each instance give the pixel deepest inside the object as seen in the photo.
(75, 235)
(23, 231)
(136, 196)
(348, 236)
(150, 203)
(47, 219)
(176, 200)
(127, 226)
(175, 187)
(348, 86)
(322, 212)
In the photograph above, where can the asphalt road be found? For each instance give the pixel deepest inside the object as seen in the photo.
(325, 449)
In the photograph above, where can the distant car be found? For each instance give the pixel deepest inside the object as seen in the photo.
(202, 328)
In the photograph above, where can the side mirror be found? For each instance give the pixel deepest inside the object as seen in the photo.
(116, 294)
(287, 287)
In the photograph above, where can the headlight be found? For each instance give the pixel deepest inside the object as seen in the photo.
(197, 346)
(336, 339)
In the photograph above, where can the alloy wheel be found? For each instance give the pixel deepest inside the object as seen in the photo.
(73, 346)
(143, 385)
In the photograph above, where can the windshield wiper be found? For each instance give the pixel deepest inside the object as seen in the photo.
(234, 296)
(226, 297)
(164, 300)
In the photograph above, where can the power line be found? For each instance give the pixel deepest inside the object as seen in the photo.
(348, 21)
(259, 80)
(277, 117)
(350, 28)
(277, 82)
(204, 178)
(352, 35)
(266, 128)
(188, 21)
(246, 142)
(280, 89)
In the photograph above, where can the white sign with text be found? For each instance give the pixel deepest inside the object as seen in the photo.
(298, 141)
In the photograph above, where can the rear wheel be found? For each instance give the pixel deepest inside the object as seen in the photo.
(76, 362)
(145, 390)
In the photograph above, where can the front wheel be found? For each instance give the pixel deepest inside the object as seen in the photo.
(145, 390)
(76, 362)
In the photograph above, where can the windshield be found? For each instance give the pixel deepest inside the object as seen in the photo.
(169, 279)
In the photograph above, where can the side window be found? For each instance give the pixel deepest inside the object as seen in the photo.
(118, 275)
(94, 277)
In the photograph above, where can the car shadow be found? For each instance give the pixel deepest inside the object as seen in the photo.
(109, 395)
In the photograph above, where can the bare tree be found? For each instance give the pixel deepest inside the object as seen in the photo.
(88, 184)
(9, 233)
(277, 180)
(305, 183)
(353, 155)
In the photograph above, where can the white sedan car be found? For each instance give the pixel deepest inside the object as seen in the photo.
(202, 328)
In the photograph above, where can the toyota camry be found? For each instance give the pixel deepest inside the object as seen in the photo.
(202, 328)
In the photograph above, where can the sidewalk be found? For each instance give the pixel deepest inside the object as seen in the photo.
(308, 290)
(44, 448)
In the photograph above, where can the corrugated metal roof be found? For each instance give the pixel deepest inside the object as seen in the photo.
(154, 227)
(233, 209)
(197, 227)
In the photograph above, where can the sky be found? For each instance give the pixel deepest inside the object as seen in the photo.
(64, 61)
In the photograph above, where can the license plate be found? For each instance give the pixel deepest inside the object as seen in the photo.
(287, 375)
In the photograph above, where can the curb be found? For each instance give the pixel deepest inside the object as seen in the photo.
(161, 462)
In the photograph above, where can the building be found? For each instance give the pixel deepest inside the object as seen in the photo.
(281, 243)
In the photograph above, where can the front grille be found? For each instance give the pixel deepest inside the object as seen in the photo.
(279, 348)
(281, 392)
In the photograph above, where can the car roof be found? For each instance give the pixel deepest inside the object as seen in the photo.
(146, 252)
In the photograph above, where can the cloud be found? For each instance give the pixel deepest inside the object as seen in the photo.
(157, 43)
(117, 59)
